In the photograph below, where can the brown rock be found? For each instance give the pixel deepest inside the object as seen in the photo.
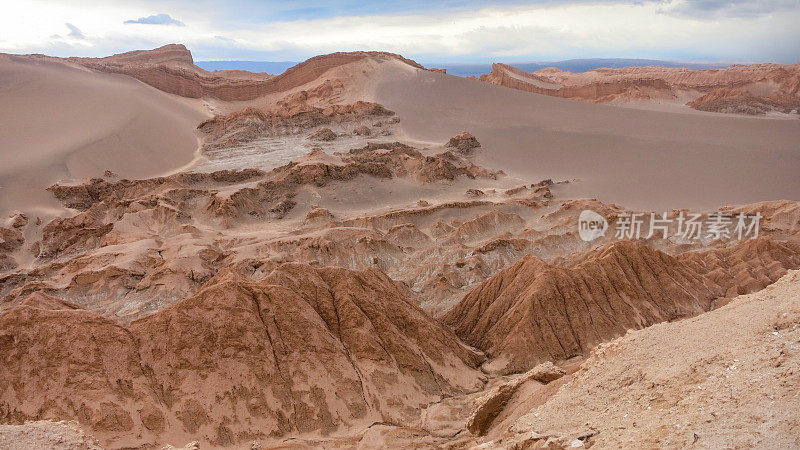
(516, 190)
(10, 239)
(19, 220)
(171, 69)
(362, 130)
(303, 350)
(323, 134)
(545, 373)
(318, 214)
(463, 142)
(743, 89)
(505, 316)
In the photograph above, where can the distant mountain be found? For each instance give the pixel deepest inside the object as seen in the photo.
(573, 65)
(584, 65)
(271, 67)
(477, 69)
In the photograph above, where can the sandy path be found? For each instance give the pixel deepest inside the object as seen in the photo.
(57, 122)
(642, 159)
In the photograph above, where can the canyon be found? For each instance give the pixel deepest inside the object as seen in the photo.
(362, 252)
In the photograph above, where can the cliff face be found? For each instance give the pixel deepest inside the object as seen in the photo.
(171, 69)
(171, 54)
(595, 91)
(746, 89)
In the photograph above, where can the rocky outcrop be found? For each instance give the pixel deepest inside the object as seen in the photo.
(379, 160)
(362, 130)
(171, 69)
(492, 403)
(779, 217)
(741, 101)
(176, 55)
(743, 89)
(463, 142)
(323, 134)
(302, 350)
(532, 311)
(724, 379)
(593, 91)
(11, 240)
(293, 117)
(136, 246)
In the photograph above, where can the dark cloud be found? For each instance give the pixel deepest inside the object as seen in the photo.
(75, 32)
(157, 19)
(711, 9)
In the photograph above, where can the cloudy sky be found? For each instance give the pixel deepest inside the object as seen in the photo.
(447, 31)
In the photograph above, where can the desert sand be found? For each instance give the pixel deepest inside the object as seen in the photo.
(639, 158)
(60, 121)
(365, 253)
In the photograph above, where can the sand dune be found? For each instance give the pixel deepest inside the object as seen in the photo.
(642, 159)
(59, 121)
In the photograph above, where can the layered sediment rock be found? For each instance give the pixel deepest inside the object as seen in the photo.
(242, 126)
(532, 311)
(302, 350)
(171, 69)
(743, 89)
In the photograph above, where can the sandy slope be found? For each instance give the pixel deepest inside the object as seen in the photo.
(46, 434)
(634, 157)
(59, 121)
(724, 379)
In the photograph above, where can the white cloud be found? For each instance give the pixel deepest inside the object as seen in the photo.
(712, 9)
(553, 31)
(74, 31)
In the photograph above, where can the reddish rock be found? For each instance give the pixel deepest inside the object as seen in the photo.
(303, 350)
(463, 142)
(323, 134)
(532, 312)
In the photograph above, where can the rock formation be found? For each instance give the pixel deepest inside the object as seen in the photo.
(301, 350)
(463, 142)
(171, 69)
(300, 283)
(533, 311)
(724, 379)
(743, 89)
(240, 127)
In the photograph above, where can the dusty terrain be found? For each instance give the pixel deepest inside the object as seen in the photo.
(62, 121)
(46, 434)
(640, 158)
(325, 259)
(724, 379)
